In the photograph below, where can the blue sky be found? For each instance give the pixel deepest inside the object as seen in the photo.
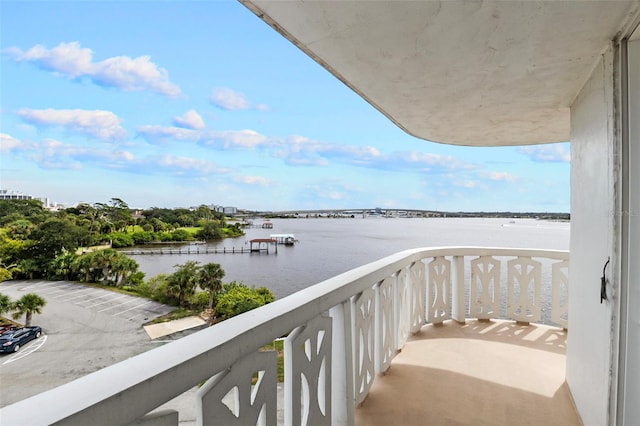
(176, 104)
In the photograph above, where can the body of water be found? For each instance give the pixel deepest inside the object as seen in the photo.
(328, 247)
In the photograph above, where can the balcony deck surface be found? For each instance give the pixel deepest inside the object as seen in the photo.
(480, 373)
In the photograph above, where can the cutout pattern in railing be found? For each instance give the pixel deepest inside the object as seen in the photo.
(307, 355)
(386, 325)
(524, 277)
(402, 311)
(232, 398)
(418, 299)
(560, 293)
(364, 335)
(484, 300)
(439, 290)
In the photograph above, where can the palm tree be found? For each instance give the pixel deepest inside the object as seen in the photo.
(5, 304)
(61, 265)
(182, 283)
(104, 259)
(28, 305)
(28, 267)
(210, 278)
(123, 266)
(82, 266)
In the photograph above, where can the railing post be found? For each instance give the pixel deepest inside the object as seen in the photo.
(458, 309)
(342, 396)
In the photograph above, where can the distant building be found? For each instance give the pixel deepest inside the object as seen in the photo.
(227, 211)
(9, 194)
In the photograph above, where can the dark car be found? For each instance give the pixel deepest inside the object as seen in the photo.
(11, 341)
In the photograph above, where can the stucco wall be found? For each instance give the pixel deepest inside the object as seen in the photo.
(632, 327)
(592, 241)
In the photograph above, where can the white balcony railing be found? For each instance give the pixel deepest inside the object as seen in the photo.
(339, 333)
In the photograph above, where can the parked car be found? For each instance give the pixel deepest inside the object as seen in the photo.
(11, 341)
(5, 328)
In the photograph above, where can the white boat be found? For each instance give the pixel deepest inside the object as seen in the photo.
(286, 239)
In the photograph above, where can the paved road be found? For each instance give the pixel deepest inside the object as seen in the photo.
(85, 328)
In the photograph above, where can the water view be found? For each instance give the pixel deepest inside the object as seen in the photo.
(327, 247)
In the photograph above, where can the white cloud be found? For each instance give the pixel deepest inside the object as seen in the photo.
(163, 134)
(230, 100)
(189, 120)
(296, 150)
(187, 165)
(53, 154)
(123, 72)
(252, 180)
(548, 153)
(8, 143)
(104, 125)
(501, 176)
(239, 139)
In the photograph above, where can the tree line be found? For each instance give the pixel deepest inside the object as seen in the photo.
(38, 243)
(65, 245)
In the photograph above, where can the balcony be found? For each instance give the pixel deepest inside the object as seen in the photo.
(407, 311)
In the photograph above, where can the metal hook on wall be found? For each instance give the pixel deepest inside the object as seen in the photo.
(603, 282)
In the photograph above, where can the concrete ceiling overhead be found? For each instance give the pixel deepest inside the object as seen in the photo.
(459, 72)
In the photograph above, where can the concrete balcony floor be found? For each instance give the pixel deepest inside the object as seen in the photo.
(480, 373)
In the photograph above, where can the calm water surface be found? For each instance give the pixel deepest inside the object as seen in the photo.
(328, 247)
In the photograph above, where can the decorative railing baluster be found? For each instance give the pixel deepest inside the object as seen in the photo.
(307, 373)
(231, 397)
(386, 328)
(559, 293)
(402, 308)
(364, 336)
(342, 370)
(485, 288)
(439, 290)
(524, 277)
(418, 296)
(458, 305)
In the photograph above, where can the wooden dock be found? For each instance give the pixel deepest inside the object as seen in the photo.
(200, 250)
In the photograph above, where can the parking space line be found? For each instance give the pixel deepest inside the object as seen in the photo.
(39, 283)
(89, 290)
(130, 309)
(24, 353)
(108, 300)
(57, 289)
(125, 303)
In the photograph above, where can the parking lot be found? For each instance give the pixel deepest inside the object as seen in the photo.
(85, 329)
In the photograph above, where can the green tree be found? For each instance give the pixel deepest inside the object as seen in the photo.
(122, 267)
(5, 304)
(210, 231)
(120, 239)
(5, 274)
(20, 229)
(28, 268)
(33, 210)
(82, 266)
(62, 265)
(28, 305)
(238, 298)
(182, 283)
(54, 236)
(104, 260)
(210, 278)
